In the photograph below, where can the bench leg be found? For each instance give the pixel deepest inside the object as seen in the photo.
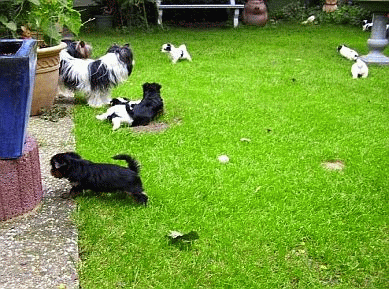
(160, 12)
(236, 18)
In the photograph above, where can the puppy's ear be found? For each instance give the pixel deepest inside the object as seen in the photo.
(82, 44)
(72, 155)
(115, 101)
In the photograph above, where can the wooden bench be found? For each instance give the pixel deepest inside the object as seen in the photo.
(231, 5)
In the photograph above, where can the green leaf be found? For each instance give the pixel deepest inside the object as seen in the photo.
(73, 21)
(3, 19)
(35, 2)
(9, 25)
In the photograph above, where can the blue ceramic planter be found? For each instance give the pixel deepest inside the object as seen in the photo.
(17, 76)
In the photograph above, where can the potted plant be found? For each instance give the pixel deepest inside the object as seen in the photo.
(43, 20)
(17, 74)
(255, 12)
(330, 5)
(104, 15)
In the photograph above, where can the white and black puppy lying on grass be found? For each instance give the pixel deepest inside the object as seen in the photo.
(348, 52)
(96, 77)
(118, 113)
(135, 113)
(98, 177)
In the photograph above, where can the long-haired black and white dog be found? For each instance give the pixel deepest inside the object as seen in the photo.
(96, 77)
(98, 177)
(136, 113)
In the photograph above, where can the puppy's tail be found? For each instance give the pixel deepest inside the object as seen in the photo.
(132, 163)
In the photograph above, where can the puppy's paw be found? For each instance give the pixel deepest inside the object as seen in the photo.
(140, 198)
(101, 116)
(71, 194)
(116, 124)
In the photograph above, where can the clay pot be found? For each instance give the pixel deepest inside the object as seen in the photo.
(330, 6)
(255, 12)
(46, 78)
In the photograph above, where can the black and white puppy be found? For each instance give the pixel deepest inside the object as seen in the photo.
(366, 25)
(359, 69)
(149, 107)
(176, 53)
(98, 177)
(78, 49)
(118, 113)
(96, 77)
(348, 52)
(135, 113)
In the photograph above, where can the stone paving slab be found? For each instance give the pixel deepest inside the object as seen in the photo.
(39, 249)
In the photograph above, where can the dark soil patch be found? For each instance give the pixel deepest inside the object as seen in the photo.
(62, 107)
(151, 127)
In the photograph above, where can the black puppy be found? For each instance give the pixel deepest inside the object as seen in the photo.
(98, 177)
(149, 107)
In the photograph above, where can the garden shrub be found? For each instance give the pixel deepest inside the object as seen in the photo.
(345, 14)
(196, 15)
(348, 14)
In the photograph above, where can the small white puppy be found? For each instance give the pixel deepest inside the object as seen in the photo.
(118, 112)
(310, 19)
(359, 69)
(348, 52)
(176, 53)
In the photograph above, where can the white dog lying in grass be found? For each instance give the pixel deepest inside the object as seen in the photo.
(359, 69)
(348, 52)
(118, 113)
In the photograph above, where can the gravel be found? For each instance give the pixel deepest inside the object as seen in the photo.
(39, 249)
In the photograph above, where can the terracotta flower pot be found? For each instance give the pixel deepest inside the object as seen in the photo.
(255, 12)
(46, 78)
(330, 5)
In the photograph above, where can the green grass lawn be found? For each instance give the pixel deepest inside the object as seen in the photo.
(272, 217)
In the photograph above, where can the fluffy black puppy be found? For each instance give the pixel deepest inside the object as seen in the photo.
(149, 107)
(98, 177)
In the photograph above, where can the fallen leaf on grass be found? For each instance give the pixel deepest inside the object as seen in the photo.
(175, 236)
(244, 139)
